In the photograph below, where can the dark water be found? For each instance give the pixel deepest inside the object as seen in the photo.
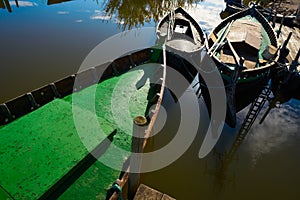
(40, 43)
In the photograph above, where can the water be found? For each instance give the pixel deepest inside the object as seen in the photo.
(41, 43)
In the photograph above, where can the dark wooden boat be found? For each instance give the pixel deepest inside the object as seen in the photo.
(184, 40)
(252, 38)
(182, 32)
(289, 19)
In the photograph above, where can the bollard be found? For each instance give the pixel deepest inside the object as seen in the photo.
(138, 133)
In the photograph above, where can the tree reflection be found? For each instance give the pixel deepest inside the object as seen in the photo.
(134, 13)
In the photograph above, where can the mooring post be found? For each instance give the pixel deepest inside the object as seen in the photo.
(280, 27)
(138, 134)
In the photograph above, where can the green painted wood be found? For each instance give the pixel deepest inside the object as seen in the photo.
(38, 149)
(4, 195)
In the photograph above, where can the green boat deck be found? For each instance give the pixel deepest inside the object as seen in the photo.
(38, 149)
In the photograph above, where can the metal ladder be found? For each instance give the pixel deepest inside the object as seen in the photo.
(252, 114)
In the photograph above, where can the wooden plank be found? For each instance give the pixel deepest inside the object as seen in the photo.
(294, 42)
(65, 86)
(145, 192)
(43, 95)
(167, 197)
(84, 79)
(19, 106)
(246, 31)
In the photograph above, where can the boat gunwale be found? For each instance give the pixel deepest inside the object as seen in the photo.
(181, 10)
(264, 23)
(28, 102)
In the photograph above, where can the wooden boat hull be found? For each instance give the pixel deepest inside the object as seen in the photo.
(181, 32)
(48, 125)
(251, 80)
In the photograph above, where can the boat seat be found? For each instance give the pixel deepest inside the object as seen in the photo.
(183, 42)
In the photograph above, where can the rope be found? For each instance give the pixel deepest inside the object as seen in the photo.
(114, 188)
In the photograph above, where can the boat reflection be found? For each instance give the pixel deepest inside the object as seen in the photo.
(50, 2)
(133, 13)
(6, 4)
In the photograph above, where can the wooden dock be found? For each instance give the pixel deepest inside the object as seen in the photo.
(146, 193)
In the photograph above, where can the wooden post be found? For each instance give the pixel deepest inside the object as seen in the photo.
(280, 27)
(139, 128)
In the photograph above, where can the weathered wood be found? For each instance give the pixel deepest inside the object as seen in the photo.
(43, 95)
(167, 197)
(146, 193)
(294, 42)
(65, 86)
(85, 79)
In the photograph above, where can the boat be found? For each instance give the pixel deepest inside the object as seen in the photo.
(246, 34)
(184, 40)
(289, 19)
(41, 129)
(181, 31)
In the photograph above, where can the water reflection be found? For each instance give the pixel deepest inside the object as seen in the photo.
(50, 2)
(134, 13)
(35, 54)
(6, 4)
(130, 13)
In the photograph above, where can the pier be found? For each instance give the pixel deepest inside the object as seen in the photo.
(145, 192)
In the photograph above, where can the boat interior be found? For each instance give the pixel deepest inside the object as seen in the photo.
(184, 36)
(249, 40)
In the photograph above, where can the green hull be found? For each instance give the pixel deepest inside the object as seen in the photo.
(45, 150)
